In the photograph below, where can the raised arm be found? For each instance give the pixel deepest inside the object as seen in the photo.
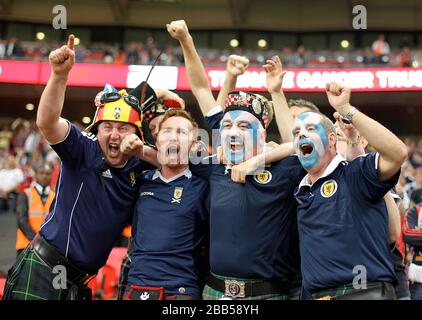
(353, 138)
(236, 66)
(132, 145)
(52, 126)
(195, 70)
(283, 117)
(240, 171)
(392, 150)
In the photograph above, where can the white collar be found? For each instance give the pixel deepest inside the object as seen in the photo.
(186, 173)
(330, 168)
(40, 189)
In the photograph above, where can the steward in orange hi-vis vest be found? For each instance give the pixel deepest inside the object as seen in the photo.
(37, 211)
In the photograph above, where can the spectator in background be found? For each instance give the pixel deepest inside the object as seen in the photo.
(13, 49)
(5, 137)
(34, 142)
(416, 188)
(300, 59)
(10, 178)
(132, 54)
(405, 58)
(120, 56)
(381, 49)
(20, 128)
(416, 157)
(108, 57)
(53, 159)
(33, 206)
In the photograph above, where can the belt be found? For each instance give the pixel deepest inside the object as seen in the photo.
(52, 257)
(374, 291)
(235, 288)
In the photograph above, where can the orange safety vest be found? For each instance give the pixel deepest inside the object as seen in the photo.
(37, 211)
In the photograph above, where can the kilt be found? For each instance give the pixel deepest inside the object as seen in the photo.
(31, 279)
(384, 291)
(211, 294)
(124, 274)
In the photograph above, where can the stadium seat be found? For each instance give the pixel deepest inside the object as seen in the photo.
(104, 285)
(2, 285)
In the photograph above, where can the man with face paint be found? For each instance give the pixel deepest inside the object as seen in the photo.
(251, 234)
(342, 218)
(253, 245)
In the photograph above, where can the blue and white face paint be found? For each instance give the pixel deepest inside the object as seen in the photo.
(309, 138)
(240, 136)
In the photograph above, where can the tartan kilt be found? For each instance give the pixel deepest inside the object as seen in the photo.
(31, 279)
(332, 294)
(212, 294)
(124, 274)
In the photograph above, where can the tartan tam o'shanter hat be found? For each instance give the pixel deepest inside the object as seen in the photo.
(257, 105)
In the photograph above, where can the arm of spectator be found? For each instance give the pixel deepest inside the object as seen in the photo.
(354, 144)
(236, 66)
(52, 126)
(22, 216)
(394, 226)
(195, 70)
(392, 150)
(240, 171)
(133, 146)
(283, 117)
(164, 94)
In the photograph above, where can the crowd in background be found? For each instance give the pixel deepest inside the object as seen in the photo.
(22, 148)
(144, 53)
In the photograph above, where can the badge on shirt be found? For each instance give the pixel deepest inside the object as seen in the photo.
(132, 177)
(177, 195)
(328, 188)
(263, 177)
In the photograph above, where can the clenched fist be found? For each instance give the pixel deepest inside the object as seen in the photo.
(236, 65)
(132, 145)
(275, 74)
(178, 30)
(63, 59)
(339, 96)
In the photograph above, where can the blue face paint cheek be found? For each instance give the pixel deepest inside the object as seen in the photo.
(254, 130)
(309, 161)
(322, 133)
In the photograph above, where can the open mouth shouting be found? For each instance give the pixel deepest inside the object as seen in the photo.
(113, 149)
(173, 150)
(235, 144)
(306, 148)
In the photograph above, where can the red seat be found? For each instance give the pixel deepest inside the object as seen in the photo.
(104, 285)
(2, 285)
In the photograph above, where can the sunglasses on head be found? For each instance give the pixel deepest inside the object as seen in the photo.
(114, 96)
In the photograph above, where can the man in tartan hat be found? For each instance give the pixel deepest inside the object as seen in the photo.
(253, 241)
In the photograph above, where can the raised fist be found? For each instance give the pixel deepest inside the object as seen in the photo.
(178, 29)
(339, 96)
(236, 65)
(63, 59)
(275, 74)
(132, 145)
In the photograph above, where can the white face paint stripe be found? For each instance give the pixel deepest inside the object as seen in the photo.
(311, 119)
